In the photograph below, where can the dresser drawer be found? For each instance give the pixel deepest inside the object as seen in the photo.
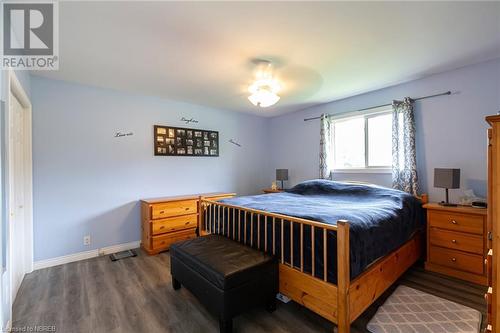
(456, 222)
(163, 242)
(174, 208)
(455, 259)
(457, 240)
(174, 224)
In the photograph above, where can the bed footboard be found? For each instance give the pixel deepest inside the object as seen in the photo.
(303, 275)
(266, 231)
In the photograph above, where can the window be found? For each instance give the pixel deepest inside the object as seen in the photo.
(363, 141)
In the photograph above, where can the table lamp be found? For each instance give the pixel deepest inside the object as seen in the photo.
(281, 175)
(446, 178)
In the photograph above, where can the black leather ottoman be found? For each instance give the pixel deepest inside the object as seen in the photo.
(226, 276)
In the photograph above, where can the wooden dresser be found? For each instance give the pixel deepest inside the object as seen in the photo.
(167, 220)
(492, 296)
(456, 242)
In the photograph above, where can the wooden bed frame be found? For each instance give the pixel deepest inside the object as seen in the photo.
(341, 303)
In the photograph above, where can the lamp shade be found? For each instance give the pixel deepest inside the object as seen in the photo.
(281, 174)
(447, 178)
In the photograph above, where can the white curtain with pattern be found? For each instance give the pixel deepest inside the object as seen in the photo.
(404, 154)
(325, 147)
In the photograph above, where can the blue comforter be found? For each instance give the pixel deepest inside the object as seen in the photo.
(381, 220)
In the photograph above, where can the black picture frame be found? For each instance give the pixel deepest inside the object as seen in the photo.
(182, 141)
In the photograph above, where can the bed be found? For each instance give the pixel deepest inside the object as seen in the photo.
(340, 245)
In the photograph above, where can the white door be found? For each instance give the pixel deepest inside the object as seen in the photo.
(17, 193)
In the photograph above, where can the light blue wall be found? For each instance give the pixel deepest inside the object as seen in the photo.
(451, 131)
(86, 182)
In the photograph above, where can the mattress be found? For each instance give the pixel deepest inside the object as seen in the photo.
(380, 220)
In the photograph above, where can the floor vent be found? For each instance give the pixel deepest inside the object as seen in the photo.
(122, 255)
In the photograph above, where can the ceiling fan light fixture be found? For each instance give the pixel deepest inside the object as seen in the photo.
(264, 91)
(264, 98)
(268, 84)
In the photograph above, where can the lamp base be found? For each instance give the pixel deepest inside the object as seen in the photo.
(447, 204)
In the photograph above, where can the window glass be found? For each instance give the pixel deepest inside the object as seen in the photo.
(363, 142)
(380, 140)
(349, 147)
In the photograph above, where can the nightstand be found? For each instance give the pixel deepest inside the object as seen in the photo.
(456, 242)
(270, 190)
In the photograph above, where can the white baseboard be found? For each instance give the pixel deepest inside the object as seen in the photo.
(85, 255)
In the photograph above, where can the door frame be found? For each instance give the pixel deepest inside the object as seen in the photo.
(13, 86)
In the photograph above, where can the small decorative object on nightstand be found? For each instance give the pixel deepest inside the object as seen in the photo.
(447, 178)
(456, 241)
(272, 190)
(282, 175)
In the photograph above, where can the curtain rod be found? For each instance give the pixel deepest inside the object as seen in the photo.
(389, 104)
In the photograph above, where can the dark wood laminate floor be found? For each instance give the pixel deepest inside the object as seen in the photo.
(135, 295)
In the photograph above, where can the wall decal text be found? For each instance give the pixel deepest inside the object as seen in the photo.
(187, 121)
(121, 134)
(234, 142)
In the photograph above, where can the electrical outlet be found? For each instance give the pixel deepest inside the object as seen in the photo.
(86, 240)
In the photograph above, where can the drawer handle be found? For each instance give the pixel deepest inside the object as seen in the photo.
(162, 227)
(187, 208)
(162, 242)
(454, 241)
(454, 259)
(162, 212)
(454, 222)
(187, 222)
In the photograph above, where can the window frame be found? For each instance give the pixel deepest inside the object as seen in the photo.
(365, 115)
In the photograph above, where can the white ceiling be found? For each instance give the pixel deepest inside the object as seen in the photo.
(201, 52)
